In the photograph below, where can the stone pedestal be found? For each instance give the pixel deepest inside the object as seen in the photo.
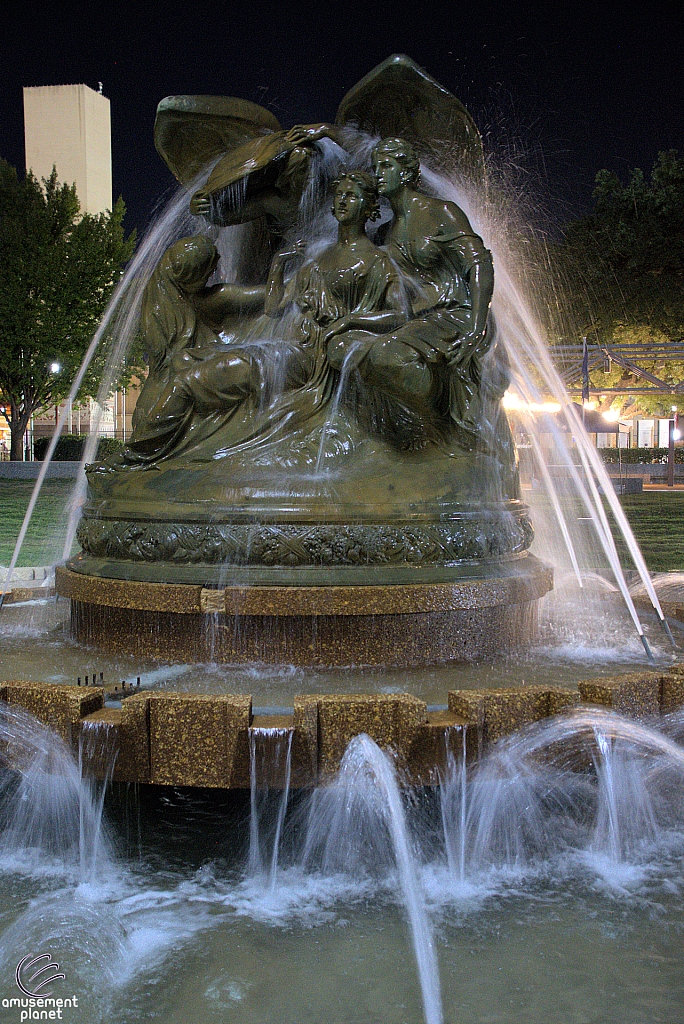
(385, 623)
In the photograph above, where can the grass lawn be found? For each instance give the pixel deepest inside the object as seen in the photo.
(657, 518)
(42, 543)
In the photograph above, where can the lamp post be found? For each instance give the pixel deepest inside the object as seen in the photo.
(672, 425)
(55, 368)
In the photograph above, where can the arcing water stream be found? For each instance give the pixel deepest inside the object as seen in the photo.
(565, 904)
(534, 377)
(544, 883)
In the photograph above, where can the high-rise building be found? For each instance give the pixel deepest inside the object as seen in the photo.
(69, 127)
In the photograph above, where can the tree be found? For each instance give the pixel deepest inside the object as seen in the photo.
(621, 270)
(624, 263)
(58, 269)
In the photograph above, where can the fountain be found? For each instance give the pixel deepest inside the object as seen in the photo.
(319, 459)
(321, 499)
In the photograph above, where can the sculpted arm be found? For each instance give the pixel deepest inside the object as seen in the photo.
(222, 300)
(388, 317)
(477, 267)
(276, 298)
(379, 323)
(238, 164)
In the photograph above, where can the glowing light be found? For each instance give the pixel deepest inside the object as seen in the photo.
(55, 367)
(590, 406)
(676, 434)
(613, 415)
(513, 403)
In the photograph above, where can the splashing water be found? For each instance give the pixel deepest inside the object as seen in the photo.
(270, 743)
(364, 809)
(48, 809)
(114, 335)
(453, 802)
(536, 378)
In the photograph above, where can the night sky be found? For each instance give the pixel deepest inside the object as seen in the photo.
(557, 93)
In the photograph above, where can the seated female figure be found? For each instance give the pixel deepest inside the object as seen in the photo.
(342, 301)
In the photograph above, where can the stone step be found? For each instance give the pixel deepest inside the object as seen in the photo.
(203, 740)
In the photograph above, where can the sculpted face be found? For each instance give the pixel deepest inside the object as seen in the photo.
(389, 172)
(349, 205)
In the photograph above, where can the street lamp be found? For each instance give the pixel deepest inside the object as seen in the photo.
(55, 368)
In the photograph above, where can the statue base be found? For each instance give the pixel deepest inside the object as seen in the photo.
(412, 616)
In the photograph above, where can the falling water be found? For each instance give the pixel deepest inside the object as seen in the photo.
(264, 772)
(97, 745)
(608, 803)
(255, 863)
(347, 365)
(349, 823)
(47, 807)
(453, 800)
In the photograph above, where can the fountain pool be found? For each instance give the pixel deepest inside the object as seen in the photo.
(566, 905)
(541, 883)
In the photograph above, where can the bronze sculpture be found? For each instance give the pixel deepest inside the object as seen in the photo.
(335, 410)
(413, 320)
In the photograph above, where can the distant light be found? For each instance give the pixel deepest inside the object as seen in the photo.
(513, 403)
(613, 415)
(674, 408)
(590, 406)
(55, 367)
(676, 434)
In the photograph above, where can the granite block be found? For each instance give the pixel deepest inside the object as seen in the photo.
(389, 719)
(394, 624)
(439, 742)
(133, 763)
(59, 707)
(635, 694)
(498, 712)
(195, 739)
(672, 690)
(305, 743)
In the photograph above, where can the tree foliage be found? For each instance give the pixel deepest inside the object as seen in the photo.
(621, 270)
(58, 270)
(624, 263)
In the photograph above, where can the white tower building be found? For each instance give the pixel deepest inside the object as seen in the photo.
(69, 127)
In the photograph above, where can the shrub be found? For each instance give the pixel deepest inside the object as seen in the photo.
(70, 447)
(640, 456)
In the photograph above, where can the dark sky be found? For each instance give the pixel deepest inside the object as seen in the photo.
(558, 91)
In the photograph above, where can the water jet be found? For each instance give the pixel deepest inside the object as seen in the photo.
(299, 492)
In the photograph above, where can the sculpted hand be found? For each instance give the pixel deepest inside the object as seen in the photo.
(465, 348)
(200, 205)
(297, 248)
(308, 133)
(338, 327)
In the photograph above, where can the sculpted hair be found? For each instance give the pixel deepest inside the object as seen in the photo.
(191, 260)
(403, 152)
(369, 191)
